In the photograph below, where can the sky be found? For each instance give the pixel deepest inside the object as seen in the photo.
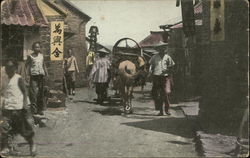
(134, 19)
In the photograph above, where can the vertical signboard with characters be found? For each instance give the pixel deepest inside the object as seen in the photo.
(56, 41)
(217, 20)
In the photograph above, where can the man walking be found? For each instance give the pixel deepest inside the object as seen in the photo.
(160, 67)
(100, 74)
(14, 111)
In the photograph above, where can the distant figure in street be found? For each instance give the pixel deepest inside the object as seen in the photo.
(36, 70)
(100, 74)
(71, 68)
(15, 115)
(160, 67)
(90, 59)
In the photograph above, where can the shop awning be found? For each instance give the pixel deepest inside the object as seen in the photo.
(21, 12)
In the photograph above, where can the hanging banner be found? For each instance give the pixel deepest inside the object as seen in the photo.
(56, 40)
(217, 30)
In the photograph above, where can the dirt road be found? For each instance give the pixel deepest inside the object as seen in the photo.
(85, 129)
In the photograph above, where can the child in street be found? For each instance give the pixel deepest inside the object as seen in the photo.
(14, 112)
(71, 69)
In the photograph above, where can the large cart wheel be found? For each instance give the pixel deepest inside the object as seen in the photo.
(127, 45)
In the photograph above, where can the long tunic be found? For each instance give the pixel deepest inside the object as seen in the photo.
(99, 72)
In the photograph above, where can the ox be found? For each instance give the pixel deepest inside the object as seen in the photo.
(127, 78)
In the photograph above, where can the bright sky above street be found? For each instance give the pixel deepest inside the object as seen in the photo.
(135, 19)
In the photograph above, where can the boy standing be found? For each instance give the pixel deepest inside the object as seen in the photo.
(36, 71)
(14, 114)
(71, 69)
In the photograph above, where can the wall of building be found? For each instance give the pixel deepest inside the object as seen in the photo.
(224, 69)
(186, 54)
(75, 26)
(55, 68)
(77, 42)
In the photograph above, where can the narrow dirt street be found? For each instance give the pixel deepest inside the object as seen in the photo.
(85, 129)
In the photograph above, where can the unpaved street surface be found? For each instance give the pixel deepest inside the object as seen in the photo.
(86, 129)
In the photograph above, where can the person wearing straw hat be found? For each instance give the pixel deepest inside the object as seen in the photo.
(100, 75)
(160, 67)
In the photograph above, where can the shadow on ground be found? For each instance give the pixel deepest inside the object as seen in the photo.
(109, 102)
(179, 142)
(144, 99)
(175, 126)
(109, 111)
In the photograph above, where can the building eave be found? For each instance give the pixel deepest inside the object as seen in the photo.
(76, 9)
(56, 8)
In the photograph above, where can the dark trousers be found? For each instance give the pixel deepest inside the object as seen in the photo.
(101, 90)
(70, 80)
(37, 92)
(160, 92)
(88, 70)
(16, 122)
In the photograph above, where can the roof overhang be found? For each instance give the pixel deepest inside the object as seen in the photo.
(76, 9)
(22, 12)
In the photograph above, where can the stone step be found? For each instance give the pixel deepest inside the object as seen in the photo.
(215, 145)
(56, 99)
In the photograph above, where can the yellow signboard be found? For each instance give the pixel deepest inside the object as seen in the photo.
(56, 40)
(217, 21)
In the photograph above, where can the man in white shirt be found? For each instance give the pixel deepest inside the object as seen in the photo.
(71, 70)
(15, 112)
(160, 67)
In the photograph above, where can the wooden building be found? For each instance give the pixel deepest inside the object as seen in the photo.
(213, 63)
(224, 66)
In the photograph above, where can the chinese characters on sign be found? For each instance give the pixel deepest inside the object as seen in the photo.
(56, 40)
(217, 20)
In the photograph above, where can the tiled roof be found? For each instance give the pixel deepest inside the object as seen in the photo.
(21, 12)
(151, 40)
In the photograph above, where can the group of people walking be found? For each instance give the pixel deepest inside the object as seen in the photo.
(20, 104)
(98, 72)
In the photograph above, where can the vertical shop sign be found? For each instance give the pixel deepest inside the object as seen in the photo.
(217, 30)
(56, 40)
